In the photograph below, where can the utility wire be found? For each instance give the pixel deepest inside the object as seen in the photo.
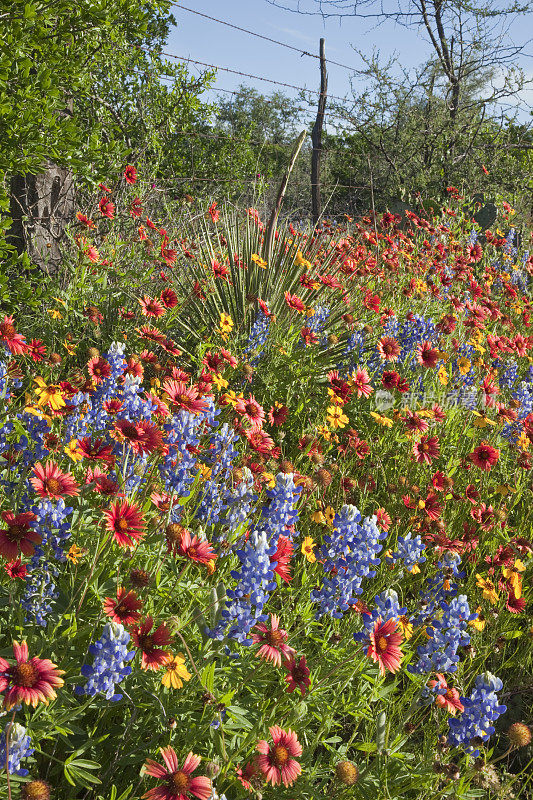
(261, 36)
(242, 74)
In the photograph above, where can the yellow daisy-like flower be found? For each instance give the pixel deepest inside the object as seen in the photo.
(523, 441)
(175, 672)
(325, 432)
(318, 516)
(309, 312)
(230, 397)
(226, 323)
(479, 622)
(219, 381)
(489, 590)
(50, 395)
(482, 421)
(329, 514)
(308, 549)
(70, 348)
(55, 313)
(259, 261)
(464, 365)
(442, 375)
(269, 479)
(334, 398)
(205, 471)
(406, 627)
(385, 421)
(336, 418)
(76, 553)
(73, 451)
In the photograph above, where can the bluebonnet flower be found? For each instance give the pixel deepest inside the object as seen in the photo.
(446, 634)
(481, 710)
(350, 555)
(220, 455)
(255, 581)
(508, 377)
(409, 551)
(353, 353)
(40, 591)
(239, 502)
(110, 665)
(258, 336)
(19, 748)
(279, 516)
(386, 607)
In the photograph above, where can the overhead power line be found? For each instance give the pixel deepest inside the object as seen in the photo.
(261, 36)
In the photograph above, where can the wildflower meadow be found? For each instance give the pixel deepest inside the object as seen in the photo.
(266, 508)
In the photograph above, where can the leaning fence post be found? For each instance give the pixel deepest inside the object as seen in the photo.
(316, 136)
(271, 227)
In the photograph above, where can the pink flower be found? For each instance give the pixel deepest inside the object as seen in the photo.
(277, 760)
(273, 642)
(178, 784)
(385, 640)
(426, 449)
(361, 382)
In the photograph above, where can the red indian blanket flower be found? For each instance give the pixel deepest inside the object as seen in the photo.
(107, 208)
(30, 681)
(49, 481)
(450, 700)
(182, 396)
(99, 368)
(485, 456)
(125, 609)
(282, 558)
(14, 341)
(151, 307)
(427, 355)
(298, 675)
(277, 760)
(293, 301)
(191, 547)
(273, 642)
(96, 450)
(426, 449)
(16, 569)
(361, 382)
(178, 784)
(388, 348)
(150, 643)
(385, 640)
(143, 436)
(125, 521)
(130, 174)
(18, 537)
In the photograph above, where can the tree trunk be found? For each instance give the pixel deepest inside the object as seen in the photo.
(41, 208)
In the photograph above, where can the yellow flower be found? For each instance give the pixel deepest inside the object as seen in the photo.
(329, 514)
(54, 313)
(442, 375)
(482, 421)
(259, 261)
(72, 450)
(479, 622)
(309, 312)
(269, 479)
(76, 553)
(70, 348)
(219, 381)
(323, 431)
(336, 418)
(49, 395)
(308, 549)
(226, 323)
(211, 565)
(230, 397)
(523, 441)
(406, 627)
(489, 590)
(175, 672)
(205, 471)
(464, 365)
(388, 423)
(318, 516)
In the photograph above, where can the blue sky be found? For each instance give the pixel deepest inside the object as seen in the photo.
(199, 38)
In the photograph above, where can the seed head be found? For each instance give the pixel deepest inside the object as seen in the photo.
(519, 734)
(346, 773)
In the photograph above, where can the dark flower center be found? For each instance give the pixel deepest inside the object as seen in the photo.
(299, 674)
(178, 783)
(122, 524)
(280, 755)
(130, 431)
(274, 638)
(25, 675)
(381, 644)
(16, 532)
(53, 485)
(146, 643)
(7, 330)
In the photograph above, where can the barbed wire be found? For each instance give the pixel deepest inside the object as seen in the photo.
(238, 72)
(262, 36)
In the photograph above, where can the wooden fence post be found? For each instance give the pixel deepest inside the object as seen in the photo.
(271, 227)
(316, 137)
